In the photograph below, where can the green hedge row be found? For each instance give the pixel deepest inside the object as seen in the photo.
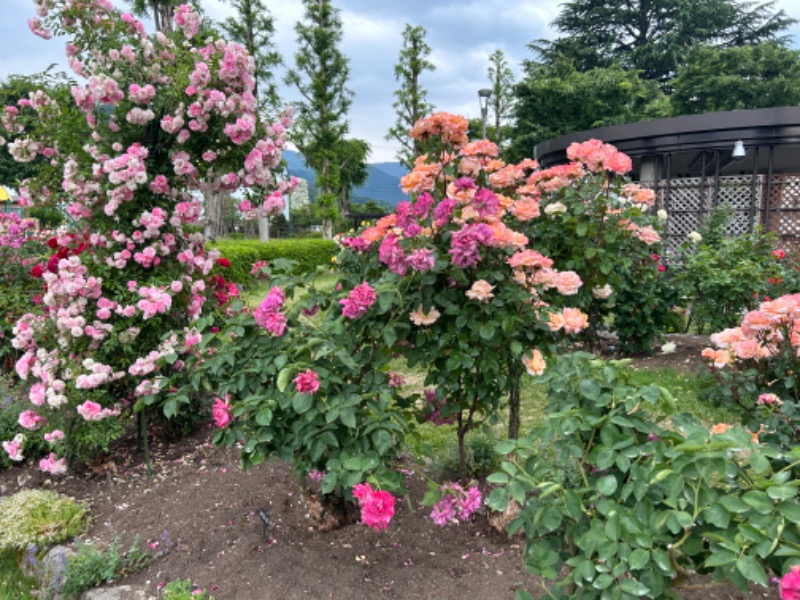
(307, 253)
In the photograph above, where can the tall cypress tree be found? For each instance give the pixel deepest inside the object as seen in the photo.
(501, 102)
(411, 104)
(320, 75)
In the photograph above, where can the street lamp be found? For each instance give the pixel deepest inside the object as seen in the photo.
(483, 99)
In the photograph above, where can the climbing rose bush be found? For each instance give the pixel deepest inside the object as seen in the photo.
(157, 122)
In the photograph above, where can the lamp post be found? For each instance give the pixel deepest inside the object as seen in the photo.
(483, 99)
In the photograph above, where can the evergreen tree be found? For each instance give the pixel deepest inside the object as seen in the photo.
(253, 27)
(755, 76)
(652, 35)
(320, 75)
(411, 99)
(557, 99)
(501, 103)
(351, 159)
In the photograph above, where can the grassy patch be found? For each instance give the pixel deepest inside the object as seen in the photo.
(253, 297)
(13, 584)
(41, 518)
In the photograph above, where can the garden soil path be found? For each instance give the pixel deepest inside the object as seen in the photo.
(203, 509)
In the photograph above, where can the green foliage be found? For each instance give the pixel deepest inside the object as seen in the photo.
(556, 99)
(723, 276)
(627, 508)
(40, 518)
(411, 102)
(652, 37)
(320, 76)
(14, 584)
(352, 427)
(308, 254)
(183, 589)
(91, 566)
(751, 76)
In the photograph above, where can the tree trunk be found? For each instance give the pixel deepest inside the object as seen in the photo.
(327, 229)
(263, 229)
(514, 407)
(213, 212)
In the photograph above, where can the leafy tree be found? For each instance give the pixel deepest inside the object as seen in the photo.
(369, 207)
(756, 76)
(11, 91)
(351, 158)
(411, 99)
(320, 75)
(501, 103)
(557, 99)
(254, 27)
(651, 35)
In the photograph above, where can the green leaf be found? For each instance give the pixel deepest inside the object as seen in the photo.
(718, 515)
(720, 557)
(522, 595)
(302, 402)
(758, 501)
(348, 417)
(603, 581)
(500, 478)
(634, 587)
(607, 485)
(486, 331)
(170, 408)
(734, 504)
(589, 389)
(283, 378)
(389, 336)
(784, 492)
(750, 568)
(638, 558)
(264, 416)
(790, 510)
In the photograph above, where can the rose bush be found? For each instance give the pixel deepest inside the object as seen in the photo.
(615, 505)
(159, 120)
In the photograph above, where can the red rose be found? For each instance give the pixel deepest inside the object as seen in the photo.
(223, 262)
(37, 271)
(52, 243)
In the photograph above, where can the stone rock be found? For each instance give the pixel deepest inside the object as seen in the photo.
(120, 592)
(52, 570)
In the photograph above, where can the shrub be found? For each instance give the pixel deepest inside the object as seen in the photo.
(722, 277)
(40, 518)
(183, 589)
(307, 253)
(628, 508)
(756, 367)
(91, 566)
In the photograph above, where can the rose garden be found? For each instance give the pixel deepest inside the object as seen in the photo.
(447, 369)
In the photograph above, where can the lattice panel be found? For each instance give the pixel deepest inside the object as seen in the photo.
(784, 210)
(684, 194)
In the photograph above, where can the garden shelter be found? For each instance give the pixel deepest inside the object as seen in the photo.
(747, 159)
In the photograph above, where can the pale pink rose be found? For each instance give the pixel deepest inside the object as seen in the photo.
(535, 363)
(54, 436)
(420, 318)
(769, 400)
(90, 411)
(601, 293)
(14, 447)
(575, 320)
(648, 235)
(747, 349)
(52, 465)
(555, 321)
(568, 283)
(481, 291)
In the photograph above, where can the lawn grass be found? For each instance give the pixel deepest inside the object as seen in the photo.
(252, 297)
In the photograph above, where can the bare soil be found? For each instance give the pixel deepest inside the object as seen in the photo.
(200, 511)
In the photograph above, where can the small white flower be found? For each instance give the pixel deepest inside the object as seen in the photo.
(668, 348)
(554, 208)
(662, 215)
(694, 237)
(601, 293)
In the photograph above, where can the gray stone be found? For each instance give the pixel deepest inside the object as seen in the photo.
(120, 592)
(51, 571)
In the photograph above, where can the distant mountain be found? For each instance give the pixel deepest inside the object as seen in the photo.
(382, 185)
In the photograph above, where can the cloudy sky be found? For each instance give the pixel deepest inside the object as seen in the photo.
(461, 33)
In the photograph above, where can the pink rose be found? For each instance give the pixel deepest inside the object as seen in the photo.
(222, 411)
(30, 419)
(377, 506)
(789, 585)
(307, 382)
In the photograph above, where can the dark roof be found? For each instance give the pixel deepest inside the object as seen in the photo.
(759, 127)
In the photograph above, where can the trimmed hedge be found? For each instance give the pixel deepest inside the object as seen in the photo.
(307, 253)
